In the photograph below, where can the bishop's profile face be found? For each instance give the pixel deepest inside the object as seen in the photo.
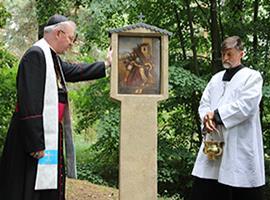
(66, 38)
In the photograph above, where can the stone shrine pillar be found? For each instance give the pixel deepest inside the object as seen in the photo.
(139, 80)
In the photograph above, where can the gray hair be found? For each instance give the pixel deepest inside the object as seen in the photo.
(232, 42)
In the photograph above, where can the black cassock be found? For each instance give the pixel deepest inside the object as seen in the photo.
(25, 135)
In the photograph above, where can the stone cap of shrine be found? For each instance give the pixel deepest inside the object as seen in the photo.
(140, 25)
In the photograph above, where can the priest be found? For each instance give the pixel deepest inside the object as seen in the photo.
(32, 165)
(230, 114)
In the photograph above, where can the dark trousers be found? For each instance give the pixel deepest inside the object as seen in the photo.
(206, 189)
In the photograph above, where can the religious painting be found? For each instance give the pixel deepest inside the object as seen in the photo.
(139, 65)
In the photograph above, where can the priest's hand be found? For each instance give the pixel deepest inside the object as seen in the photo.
(209, 122)
(38, 154)
(108, 61)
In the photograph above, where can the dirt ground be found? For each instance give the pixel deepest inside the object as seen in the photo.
(83, 190)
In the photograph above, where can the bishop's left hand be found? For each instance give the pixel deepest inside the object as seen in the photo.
(38, 154)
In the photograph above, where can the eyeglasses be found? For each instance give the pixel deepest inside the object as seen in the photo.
(71, 38)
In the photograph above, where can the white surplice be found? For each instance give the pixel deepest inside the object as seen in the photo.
(237, 100)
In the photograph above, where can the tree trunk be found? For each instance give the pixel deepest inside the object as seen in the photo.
(179, 31)
(215, 37)
(239, 9)
(222, 34)
(194, 106)
(255, 36)
(194, 66)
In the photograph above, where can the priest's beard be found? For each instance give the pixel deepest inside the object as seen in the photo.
(227, 65)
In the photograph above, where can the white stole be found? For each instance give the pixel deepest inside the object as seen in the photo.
(46, 177)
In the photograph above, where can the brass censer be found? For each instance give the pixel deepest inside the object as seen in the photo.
(212, 148)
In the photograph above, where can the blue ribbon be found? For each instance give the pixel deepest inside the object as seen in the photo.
(50, 158)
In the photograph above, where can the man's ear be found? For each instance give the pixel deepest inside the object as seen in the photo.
(57, 33)
(242, 54)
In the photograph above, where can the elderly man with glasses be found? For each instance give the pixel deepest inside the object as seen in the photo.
(32, 164)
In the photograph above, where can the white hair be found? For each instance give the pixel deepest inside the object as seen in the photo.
(48, 29)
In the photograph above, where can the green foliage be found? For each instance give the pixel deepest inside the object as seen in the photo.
(45, 9)
(85, 165)
(92, 102)
(102, 16)
(7, 60)
(7, 99)
(4, 15)
(107, 147)
(20, 30)
(8, 70)
(178, 130)
(174, 197)
(86, 172)
(265, 105)
(102, 163)
(185, 85)
(175, 162)
(93, 107)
